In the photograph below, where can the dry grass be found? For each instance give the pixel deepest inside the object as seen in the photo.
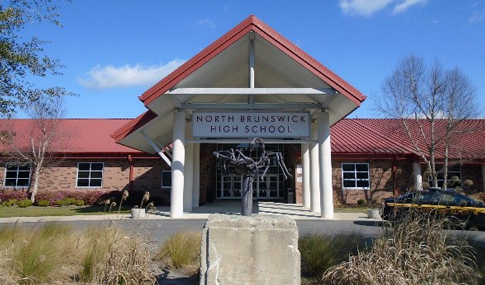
(53, 253)
(320, 252)
(181, 250)
(39, 255)
(415, 251)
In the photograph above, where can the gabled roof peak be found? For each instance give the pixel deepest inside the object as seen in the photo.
(252, 23)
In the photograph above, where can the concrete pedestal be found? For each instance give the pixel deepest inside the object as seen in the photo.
(250, 250)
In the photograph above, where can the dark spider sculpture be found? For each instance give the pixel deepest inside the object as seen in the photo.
(249, 168)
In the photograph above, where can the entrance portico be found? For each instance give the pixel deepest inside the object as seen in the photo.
(250, 72)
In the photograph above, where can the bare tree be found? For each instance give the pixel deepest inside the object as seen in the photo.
(430, 103)
(40, 140)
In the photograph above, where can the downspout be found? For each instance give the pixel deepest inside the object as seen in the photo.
(130, 176)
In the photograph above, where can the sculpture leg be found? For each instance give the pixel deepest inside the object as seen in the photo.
(247, 199)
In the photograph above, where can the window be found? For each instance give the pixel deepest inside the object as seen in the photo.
(17, 174)
(89, 174)
(454, 176)
(355, 175)
(166, 179)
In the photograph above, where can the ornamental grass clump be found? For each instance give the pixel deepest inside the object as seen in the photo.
(416, 250)
(320, 252)
(36, 255)
(113, 257)
(181, 251)
(56, 254)
(124, 196)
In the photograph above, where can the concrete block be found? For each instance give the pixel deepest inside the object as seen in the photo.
(260, 249)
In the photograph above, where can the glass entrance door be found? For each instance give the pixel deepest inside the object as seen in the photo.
(231, 186)
(268, 188)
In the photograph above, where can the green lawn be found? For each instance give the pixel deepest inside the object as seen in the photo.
(34, 211)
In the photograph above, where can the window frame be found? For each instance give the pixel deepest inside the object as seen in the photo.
(161, 180)
(17, 171)
(89, 171)
(451, 173)
(355, 179)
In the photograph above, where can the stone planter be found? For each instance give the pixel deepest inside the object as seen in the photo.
(373, 214)
(138, 213)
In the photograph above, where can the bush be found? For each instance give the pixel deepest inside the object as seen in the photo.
(43, 203)
(89, 197)
(320, 252)
(79, 202)
(415, 251)
(13, 194)
(10, 202)
(360, 202)
(24, 203)
(66, 202)
(181, 250)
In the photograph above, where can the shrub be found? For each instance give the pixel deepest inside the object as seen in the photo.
(90, 197)
(79, 202)
(24, 203)
(415, 251)
(360, 202)
(181, 250)
(43, 203)
(66, 202)
(320, 252)
(10, 202)
(13, 194)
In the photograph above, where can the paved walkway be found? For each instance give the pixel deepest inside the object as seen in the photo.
(295, 211)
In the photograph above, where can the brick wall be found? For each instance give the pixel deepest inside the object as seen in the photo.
(381, 178)
(382, 183)
(146, 175)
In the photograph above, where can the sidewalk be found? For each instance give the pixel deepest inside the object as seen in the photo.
(295, 211)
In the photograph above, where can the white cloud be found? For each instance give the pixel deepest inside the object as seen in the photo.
(206, 23)
(125, 76)
(363, 7)
(476, 17)
(404, 5)
(368, 7)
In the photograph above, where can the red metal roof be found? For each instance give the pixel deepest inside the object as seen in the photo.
(364, 138)
(253, 24)
(83, 135)
(349, 136)
(468, 142)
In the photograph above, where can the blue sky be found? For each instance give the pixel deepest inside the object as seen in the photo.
(113, 50)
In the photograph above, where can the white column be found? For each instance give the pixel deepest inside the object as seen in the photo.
(314, 173)
(178, 161)
(483, 176)
(418, 178)
(188, 169)
(188, 177)
(196, 187)
(305, 163)
(325, 163)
